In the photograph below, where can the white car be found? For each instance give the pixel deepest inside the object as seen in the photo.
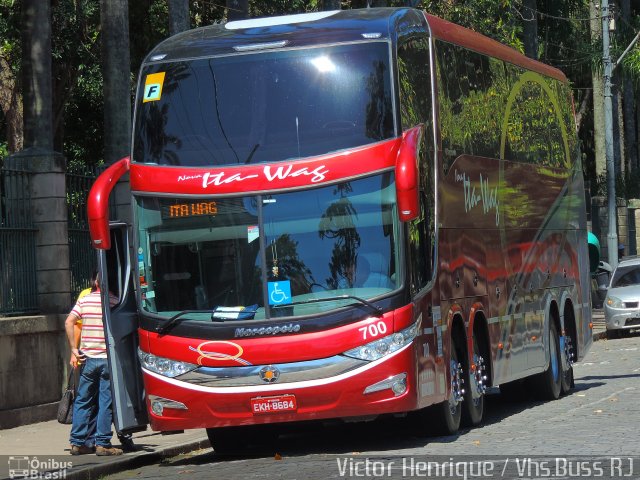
(622, 304)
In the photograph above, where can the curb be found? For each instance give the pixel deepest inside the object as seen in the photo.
(600, 336)
(137, 460)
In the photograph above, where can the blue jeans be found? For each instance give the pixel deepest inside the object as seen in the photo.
(92, 405)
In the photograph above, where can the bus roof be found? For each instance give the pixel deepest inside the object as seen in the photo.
(331, 27)
(296, 30)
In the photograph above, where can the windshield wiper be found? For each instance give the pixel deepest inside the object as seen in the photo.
(177, 318)
(377, 311)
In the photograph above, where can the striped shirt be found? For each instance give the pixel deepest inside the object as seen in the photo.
(88, 309)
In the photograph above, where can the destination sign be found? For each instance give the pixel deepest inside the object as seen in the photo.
(189, 209)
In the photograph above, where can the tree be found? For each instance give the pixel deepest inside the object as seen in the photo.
(11, 105)
(178, 16)
(36, 74)
(629, 104)
(530, 34)
(598, 92)
(116, 68)
(329, 5)
(237, 9)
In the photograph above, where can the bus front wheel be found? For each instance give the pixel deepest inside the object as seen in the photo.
(444, 418)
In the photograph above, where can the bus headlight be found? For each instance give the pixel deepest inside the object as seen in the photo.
(384, 346)
(164, 366)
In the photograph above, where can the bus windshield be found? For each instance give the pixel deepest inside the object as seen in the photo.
(227, 258)
(263, 107)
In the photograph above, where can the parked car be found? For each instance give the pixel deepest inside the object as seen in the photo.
(622, 304)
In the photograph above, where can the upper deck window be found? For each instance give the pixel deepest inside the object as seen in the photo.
(264, 107)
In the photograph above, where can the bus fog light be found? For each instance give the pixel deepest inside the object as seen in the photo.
(158, 404)
(396, 383)
(399, 387)
(157, 408)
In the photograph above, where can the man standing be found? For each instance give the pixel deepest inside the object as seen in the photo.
(94, 389)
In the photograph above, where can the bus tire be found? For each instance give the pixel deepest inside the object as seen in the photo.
(567, 366)
(548, 384)
(444, 418)
(475, 380)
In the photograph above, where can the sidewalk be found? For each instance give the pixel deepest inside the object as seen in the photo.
(599, 327)
(48, 442)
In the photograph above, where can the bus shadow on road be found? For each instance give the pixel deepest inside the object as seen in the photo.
(384, 436)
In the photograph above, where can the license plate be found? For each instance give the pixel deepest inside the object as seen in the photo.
(279, 403)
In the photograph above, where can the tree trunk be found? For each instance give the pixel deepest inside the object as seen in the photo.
(329, 5)
(629, 104)
(116, 71)
(36, 74)
(237, 9)
(46, 191)
(598, 92)
(11, 106)
(178, 16)
(530, 30)
(582, 110)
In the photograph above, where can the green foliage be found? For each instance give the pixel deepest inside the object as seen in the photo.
(4, 151)
(10, 46)
(493, 18)
(77, 81)
(627, 185)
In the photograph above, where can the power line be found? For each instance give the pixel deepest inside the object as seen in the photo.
(555, 17)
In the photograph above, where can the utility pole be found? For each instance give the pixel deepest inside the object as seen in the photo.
(612, 235)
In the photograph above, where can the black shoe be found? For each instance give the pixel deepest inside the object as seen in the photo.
(126, 442)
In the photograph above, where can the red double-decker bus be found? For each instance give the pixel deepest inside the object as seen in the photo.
(341, 215)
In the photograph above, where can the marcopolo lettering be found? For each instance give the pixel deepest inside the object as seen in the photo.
(271, 330)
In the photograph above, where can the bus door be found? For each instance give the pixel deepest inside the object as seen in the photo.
(121, 333)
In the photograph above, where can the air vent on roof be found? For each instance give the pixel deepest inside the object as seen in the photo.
(283, 20)
(260, 46)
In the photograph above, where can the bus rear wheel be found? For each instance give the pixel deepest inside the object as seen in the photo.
(566, 352)
(548, 384)
(476, 380)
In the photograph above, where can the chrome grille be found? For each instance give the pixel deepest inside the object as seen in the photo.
(289, 372)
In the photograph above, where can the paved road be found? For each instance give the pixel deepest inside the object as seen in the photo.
(600, 418)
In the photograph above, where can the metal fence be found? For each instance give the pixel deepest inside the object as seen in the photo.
(82, 256)
(18, 282)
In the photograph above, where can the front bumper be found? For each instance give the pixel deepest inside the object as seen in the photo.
(340, 396)
(621, 318)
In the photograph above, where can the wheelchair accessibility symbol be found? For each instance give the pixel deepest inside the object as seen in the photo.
(279, 292)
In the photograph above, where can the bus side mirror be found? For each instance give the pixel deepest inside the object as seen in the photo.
(407, 180)
(98, 203)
